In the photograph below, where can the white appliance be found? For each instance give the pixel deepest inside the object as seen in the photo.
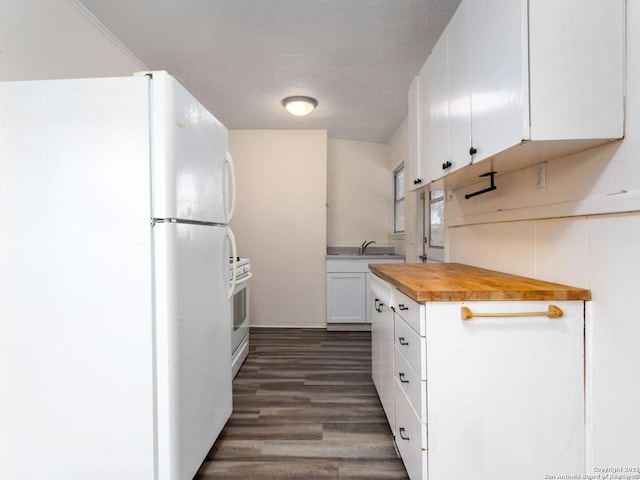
(240, 313)
(114, 346)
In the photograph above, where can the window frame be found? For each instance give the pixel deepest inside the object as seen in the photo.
(399, 201)
(434, 199)
(431, 252)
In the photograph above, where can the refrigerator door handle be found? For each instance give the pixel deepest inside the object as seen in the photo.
(232, 184)
(234, 256)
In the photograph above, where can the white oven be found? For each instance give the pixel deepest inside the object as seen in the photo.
(240, 313)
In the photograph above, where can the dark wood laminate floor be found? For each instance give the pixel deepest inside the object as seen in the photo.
(305, 407)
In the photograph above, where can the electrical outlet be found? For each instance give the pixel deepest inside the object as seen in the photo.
(540, 175)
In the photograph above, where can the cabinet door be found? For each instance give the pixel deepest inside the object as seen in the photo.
(346, 295)
(459, 88)
(413, 123)
(498, 75)
(376, 344)
(434, 119)
(382, 356)
(508, 392)
(585, 41)
(411, 438)
(411, 385)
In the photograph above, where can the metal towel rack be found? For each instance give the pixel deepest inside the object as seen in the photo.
(485, 190)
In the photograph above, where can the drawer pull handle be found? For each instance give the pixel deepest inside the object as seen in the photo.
(402, 435)
(402, 306)
(552, 312)
(402, 379)
(402, 341)
(379, 307)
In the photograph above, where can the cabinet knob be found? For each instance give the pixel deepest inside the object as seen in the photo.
(472, 151)
(402, 341)
(402, 435)
(402, 379)
(417, 181)
(402, 306)
(446, 165)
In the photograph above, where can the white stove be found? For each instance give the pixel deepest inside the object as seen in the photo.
(239, 312)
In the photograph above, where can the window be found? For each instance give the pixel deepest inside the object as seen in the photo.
(398, 199)
(436, 219)
(433, 226)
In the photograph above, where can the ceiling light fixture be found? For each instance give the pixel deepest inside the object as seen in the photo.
(299, 105)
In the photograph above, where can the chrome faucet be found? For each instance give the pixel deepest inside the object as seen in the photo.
(364, 246)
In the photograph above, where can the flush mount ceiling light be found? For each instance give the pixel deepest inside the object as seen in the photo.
(299, 105)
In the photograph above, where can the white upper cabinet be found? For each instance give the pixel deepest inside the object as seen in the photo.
(520, 82)
(413, 124)
(445, 102)
(434, 120)
(576, 74)
(459, 91)
(498, 69)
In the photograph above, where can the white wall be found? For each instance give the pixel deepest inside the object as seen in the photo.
(43, 39)
(280, 222)
(566, 233)
(359, 193)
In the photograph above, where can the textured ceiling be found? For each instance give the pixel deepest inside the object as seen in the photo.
(242, 57)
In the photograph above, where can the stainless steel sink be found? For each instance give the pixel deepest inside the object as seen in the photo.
(360, 256)
(353, 252)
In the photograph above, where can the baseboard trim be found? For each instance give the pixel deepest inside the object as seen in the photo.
(349, 327)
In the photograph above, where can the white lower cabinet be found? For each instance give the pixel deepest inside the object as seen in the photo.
(382, 345)
(410, 436)
(410, 388)
(506, 394)
(410, 384)
(346, 295)
(411, 346)
(497, 396)
(348, 291)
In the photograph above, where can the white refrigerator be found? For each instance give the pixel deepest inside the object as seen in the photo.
(115, 357)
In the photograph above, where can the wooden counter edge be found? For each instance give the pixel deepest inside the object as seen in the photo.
(564, 292)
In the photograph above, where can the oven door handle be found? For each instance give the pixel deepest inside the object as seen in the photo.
(243, 278)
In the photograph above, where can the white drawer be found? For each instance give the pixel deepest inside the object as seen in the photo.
(411, 437)
(414, 388)
(412, 347)
(411, 311)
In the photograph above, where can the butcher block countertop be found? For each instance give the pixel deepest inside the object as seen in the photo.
(455, 282)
